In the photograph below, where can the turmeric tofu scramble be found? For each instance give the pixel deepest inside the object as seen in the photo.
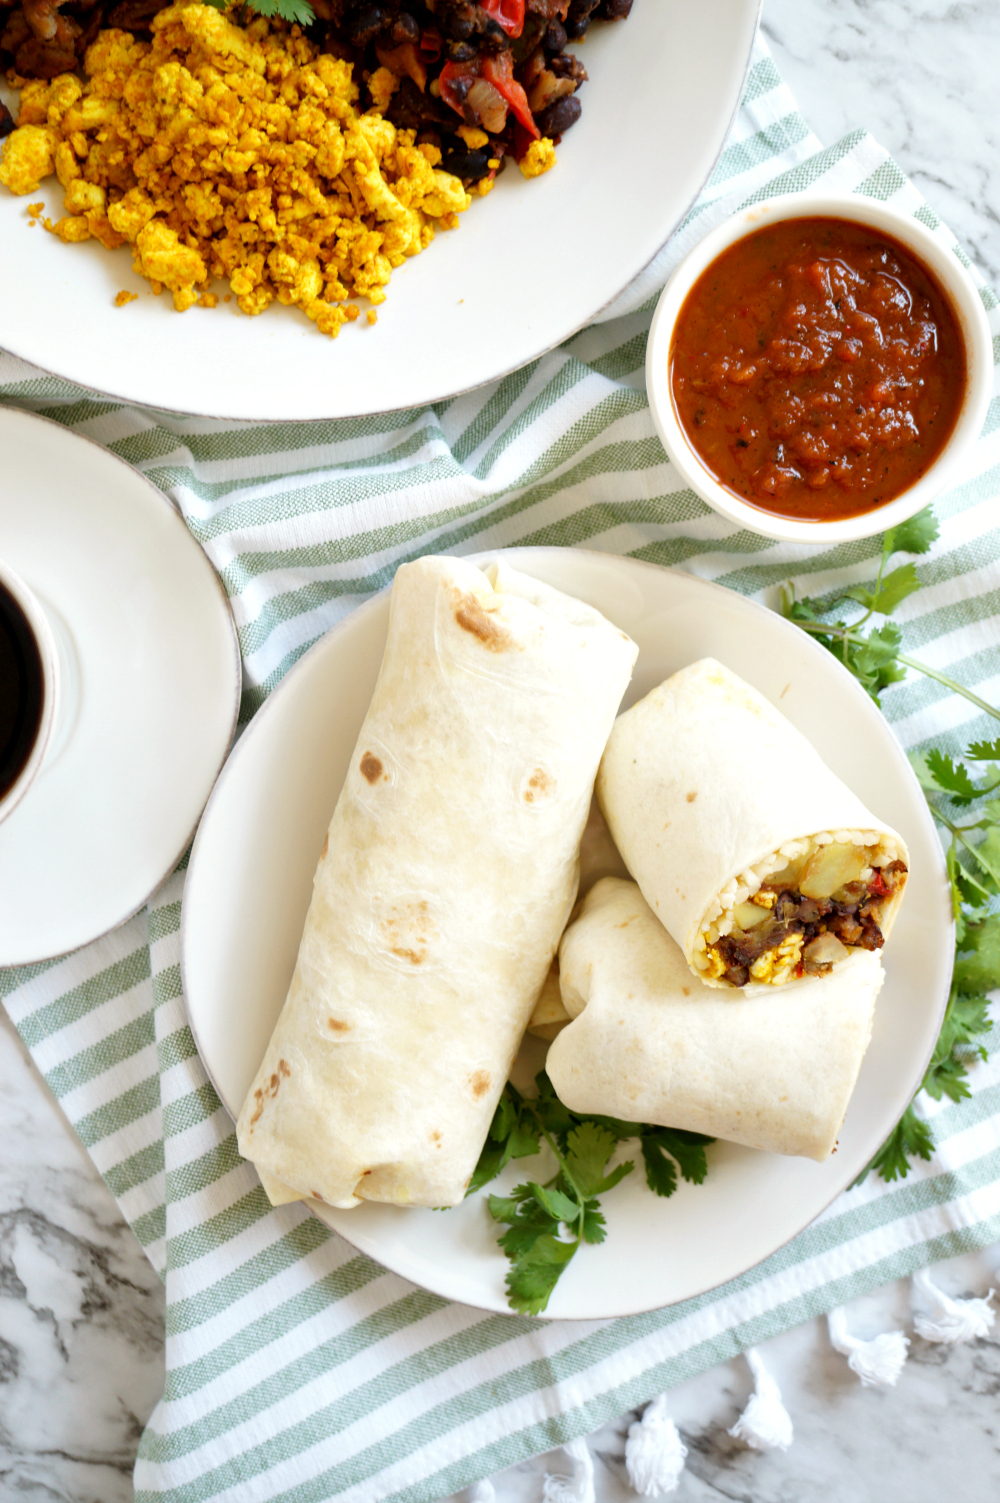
(236, 153)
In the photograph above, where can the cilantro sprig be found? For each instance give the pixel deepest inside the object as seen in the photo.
(295, 12)
(547, 1223)
(872, 654)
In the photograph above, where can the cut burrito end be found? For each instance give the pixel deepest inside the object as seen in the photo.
(759, 861)
(803, 909)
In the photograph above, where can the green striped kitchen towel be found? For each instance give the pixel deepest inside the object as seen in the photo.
(297, 1369)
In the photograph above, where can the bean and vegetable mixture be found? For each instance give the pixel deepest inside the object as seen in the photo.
(482, 81)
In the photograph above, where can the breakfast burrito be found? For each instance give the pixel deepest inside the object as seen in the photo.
(759, 862)
(649, 1043)
(447, 875)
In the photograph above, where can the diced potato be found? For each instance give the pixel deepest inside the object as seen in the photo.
(830, 867)
(747, 915)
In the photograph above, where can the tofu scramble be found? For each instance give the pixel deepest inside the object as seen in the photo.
(236, 153)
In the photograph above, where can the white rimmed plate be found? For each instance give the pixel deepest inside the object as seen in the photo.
(250, 880)
(150, 690)
(529, 265)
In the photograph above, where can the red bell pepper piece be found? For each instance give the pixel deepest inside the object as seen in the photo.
(499, 71)
(509, 13)
(877, 887)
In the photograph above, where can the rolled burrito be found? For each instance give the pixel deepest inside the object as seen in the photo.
(649, 1043)
(760, 863)
(447, 875)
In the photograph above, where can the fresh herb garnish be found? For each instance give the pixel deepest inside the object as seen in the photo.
(546, 1223)
(973, 853)
(295, 12)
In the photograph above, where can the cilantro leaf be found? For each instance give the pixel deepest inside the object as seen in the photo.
(594, 1224)
(947, 1078)
(532, 1279)
(984, 751)
(661, 1173)
(893, 589)
(555, 1204)
(297, 12)
(916, 535)
(910, 1138)
(590, 1146)
(977, 968)
(950, 777)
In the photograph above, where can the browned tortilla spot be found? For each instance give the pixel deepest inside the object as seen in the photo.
(326, 847)
(337, 1025)
(364, 1172)
(686, 990)
(415, 957)
(316, 1195)
(436, 1138)
(692, 796)
(283, 1067)
(371, 767)
(475, 619)
(480, 1083)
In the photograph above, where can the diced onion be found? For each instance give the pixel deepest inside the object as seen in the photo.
(488, 104)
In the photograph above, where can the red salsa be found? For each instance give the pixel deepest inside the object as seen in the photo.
(817, 368)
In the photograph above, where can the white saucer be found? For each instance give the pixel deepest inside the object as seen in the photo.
(151, 670)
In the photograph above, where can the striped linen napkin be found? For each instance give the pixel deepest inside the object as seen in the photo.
(297, 1369)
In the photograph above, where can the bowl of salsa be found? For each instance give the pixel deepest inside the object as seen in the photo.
(819, 367)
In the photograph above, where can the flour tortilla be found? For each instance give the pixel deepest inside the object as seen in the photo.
(447, 876)
(649, 1043)
(704, 784)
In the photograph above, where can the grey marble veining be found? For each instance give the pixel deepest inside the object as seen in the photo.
(81, 1312)
(924, 77)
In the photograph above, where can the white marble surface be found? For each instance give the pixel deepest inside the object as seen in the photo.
(81, 1312)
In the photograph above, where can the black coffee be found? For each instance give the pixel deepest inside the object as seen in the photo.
(21, 690)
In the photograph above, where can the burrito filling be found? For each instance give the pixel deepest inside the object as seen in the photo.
(821, 898)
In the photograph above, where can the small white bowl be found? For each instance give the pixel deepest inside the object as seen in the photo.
(965, 302)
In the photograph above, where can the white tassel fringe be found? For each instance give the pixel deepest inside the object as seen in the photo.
(951, 1320)
(483, 1492)
(576, 1489)
(878, 1363)
(654, 1452)
(765, 1423)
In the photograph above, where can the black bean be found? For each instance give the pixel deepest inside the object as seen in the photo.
(555, 38)
(366, 24)
(468, 165)
(557, 117)
(494, 38)
(460, 52)
(6, 121)
(405, 28)
(613, 10)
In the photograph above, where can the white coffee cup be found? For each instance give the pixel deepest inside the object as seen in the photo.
(43, 638)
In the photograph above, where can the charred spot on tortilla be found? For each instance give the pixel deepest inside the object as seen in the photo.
(691, 797)
(337, 1025)
(326, 847)
(271, 1089)
(686, 990)
(371, 768)
(538, 783)
(473, 617)
(316, 1195)
(480, 1083)
(435, 1138)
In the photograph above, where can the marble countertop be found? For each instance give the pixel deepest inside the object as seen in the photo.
(81, 1311)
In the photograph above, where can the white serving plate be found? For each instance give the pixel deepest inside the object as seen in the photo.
(150, 688)
(529, 265)
(250, 880)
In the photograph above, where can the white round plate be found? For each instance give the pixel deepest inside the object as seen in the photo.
(528, 266)
(145, 627)
(250, 880)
